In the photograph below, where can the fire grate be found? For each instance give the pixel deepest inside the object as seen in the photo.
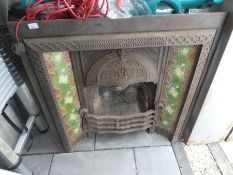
(123, 124)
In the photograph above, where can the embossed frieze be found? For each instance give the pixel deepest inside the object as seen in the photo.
(116, 71)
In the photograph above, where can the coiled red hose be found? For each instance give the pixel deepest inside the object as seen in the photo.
(63, 9)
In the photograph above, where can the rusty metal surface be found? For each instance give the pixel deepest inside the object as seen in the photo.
(121, 118)
(44, 81)
(156, 33)
(116, 70)
(143, 128)
(120, 41)
(72, 27)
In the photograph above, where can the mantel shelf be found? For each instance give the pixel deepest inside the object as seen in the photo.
(70, 27)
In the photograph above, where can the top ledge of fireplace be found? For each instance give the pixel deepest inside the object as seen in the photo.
(70, 27)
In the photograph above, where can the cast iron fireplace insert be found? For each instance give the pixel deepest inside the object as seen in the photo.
(120, 89)
(119, 76)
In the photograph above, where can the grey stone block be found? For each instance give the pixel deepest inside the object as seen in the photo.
(41, 144)
(221, 159)
(84, 145)
(107, 162)
(182, 158)
(39, 164)
(135, 139)
(156, 161)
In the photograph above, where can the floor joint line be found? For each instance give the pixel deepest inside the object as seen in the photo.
(135, 161)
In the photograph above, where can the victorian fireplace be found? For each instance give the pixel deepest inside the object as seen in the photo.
(119, 76)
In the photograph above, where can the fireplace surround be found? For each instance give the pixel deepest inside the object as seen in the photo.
(120, 79)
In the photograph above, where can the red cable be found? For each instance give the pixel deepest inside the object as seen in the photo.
(61, 9)
(17, 27)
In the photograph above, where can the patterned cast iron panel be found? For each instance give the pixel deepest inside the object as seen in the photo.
(62, 80)
(179, 70)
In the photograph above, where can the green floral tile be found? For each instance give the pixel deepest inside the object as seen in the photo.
(62, 80)
(177, 78)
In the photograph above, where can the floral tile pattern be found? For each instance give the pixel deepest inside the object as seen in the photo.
(177, 78)
(62, 80)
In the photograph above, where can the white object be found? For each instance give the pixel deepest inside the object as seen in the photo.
(33, 26)
(215, 120)
(4, 172)
(114, 13)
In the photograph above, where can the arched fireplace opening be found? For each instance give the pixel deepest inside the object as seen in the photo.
(120, 91)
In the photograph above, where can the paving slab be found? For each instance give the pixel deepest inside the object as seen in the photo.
(182, 158)
(84, 145)
(105, 162)
(227, 148)
(41, 144)
(130, 140)
(156, 161)
(39, 164)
